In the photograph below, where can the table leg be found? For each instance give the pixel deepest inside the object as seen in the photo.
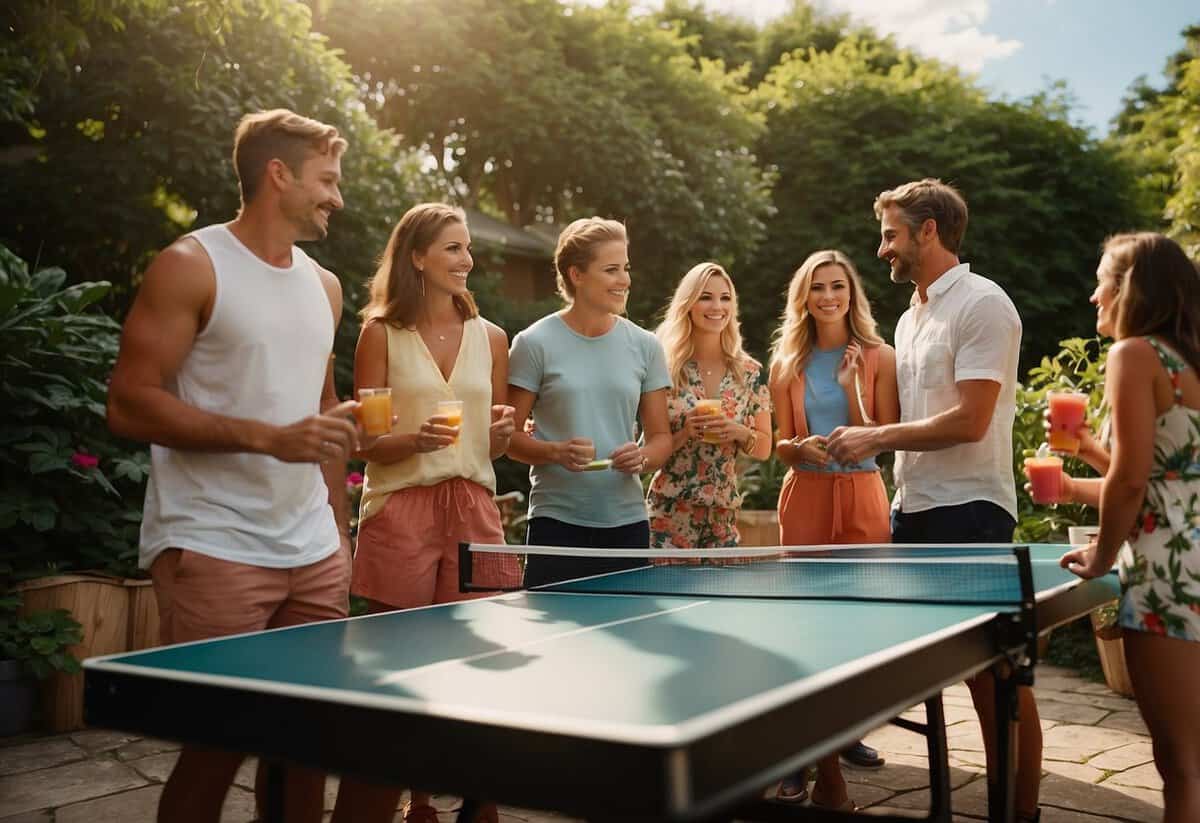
(1002, 789)
(469, 811)
(273, 791)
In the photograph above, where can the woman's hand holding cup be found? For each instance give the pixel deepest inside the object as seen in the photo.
(576, 453)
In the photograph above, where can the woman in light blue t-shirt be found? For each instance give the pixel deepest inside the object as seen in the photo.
(587, 375)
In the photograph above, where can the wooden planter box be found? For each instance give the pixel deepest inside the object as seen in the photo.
(116, 615)
(759, 527)
(1110, 645)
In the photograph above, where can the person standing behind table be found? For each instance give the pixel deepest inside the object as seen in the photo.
(587, 374)
(1148, 298)
(830, 368)
(957, 347)
(429, 485)
(225, 368)
(693, 499)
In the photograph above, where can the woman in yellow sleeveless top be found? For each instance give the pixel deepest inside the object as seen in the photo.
(429, 484)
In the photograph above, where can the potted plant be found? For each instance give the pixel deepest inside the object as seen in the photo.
(32, 647)
(758, 519)
(1111, 647)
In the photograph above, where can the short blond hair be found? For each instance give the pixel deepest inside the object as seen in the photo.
(576, 247)
(278, 134)
(929, 199)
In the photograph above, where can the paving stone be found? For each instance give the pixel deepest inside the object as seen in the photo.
(142, 805)
(1081, 743)
(895, 740)
(101, 740)
(1053, 814)
(1109, 702)
(865, 794)
(1074, 771)
(40, 816)
(1070, 712)
(1139, 777)
(1125, 757)
(145, 748)
(1090, 687)
(156, 767)
(964, 737)
(1123, 802)
(1126, 721)
(40, 754)
(64, 784)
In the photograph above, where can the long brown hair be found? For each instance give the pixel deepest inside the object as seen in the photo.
(397, 288)
(797, 333)
(1158, 291)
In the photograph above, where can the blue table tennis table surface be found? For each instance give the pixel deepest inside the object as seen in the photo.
(648, 669)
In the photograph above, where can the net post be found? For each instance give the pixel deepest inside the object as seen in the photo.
(464, 568)
(1028, 616)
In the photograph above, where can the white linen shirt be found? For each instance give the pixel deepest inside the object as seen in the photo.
(968, 329)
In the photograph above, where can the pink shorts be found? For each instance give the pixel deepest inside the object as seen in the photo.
(201, 596)
(407, 552)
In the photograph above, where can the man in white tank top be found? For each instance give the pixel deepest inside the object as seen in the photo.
(226, 369)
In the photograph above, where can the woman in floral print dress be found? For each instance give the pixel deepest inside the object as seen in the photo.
(693, 499)
(1148, 298)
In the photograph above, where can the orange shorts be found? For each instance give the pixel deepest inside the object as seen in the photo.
(407, 553)
(201, 596)
(820, 508)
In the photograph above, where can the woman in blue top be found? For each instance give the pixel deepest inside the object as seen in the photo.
(830, 368)
(587, 375)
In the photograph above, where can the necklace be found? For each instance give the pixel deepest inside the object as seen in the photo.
(442, 337)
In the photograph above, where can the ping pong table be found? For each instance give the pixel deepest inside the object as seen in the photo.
(607, 704)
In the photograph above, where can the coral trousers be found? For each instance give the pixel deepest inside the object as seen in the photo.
(819, 508)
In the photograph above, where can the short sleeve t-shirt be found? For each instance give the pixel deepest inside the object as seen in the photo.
(586, 387)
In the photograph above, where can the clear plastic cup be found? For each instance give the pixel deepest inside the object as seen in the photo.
(1068, 412)
(452, 410)
(376, 410)
(709, 407)
(1045, 478)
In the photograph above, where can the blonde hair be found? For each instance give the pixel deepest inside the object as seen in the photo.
(797, 333)
(675, 331)
(1158, 291)
(278, 134)
(397, 288)
(929, 199)
(577, 245)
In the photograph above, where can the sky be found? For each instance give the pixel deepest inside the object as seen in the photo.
(1018, 47)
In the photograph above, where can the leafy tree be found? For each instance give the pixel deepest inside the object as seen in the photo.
(132, 147)
(1158, 135)
(545, 111)
(1042, 193)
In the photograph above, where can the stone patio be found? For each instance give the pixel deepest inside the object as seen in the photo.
(1098, 767)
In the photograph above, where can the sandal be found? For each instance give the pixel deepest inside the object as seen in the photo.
(793, 788)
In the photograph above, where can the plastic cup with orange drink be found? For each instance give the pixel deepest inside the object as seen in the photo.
(1068, 412)
(452, 412)
(1045, 478)
(709, 407)
(375, 410)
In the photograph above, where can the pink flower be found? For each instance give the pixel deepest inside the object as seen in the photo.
(85, 461)
(354, 479)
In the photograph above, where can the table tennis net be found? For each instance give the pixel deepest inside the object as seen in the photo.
(970, 575)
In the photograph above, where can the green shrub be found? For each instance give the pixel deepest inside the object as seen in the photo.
(38, 641)
(70, 494)
(1078, 366)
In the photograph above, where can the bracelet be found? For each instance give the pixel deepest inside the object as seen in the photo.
(748, 446)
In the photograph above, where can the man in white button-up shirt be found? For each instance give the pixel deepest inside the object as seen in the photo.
(957, 347)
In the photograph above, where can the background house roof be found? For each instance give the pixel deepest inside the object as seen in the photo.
(537, 241)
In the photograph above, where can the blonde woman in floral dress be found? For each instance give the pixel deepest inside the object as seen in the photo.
(1148, 298)
(693, 499)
